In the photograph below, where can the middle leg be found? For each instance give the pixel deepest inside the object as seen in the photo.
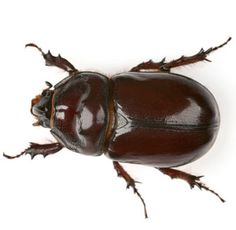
(130, 182)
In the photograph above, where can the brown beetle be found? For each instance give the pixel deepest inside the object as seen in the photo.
(146, 116)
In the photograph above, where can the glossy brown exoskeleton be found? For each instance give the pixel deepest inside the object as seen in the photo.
(146, 116)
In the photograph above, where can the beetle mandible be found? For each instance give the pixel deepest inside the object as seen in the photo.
(146, 116)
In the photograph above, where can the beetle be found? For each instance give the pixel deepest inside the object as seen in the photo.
(148, 116)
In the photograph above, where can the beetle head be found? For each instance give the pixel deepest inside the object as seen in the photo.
(41, 107)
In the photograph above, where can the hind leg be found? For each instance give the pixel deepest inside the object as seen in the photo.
(184, 60)
(190, 179)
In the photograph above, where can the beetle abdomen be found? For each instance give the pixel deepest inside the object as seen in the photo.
(162, 119)
(79, 119)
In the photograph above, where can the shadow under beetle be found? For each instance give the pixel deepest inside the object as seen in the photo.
(146, 116)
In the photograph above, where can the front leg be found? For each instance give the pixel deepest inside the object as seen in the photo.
(190, 179)
(38, 149)
(51, 60)
(130, 182)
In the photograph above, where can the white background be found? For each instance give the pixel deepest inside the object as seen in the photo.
(72, 191)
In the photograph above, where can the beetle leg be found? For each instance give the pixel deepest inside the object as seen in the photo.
(51, 60)
(38, 149)
(190, 179)
(200, 56)
(130, 182)
(148, 66)
(184, 60)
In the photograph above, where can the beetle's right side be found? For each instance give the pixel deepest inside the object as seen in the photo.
(163, 119)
